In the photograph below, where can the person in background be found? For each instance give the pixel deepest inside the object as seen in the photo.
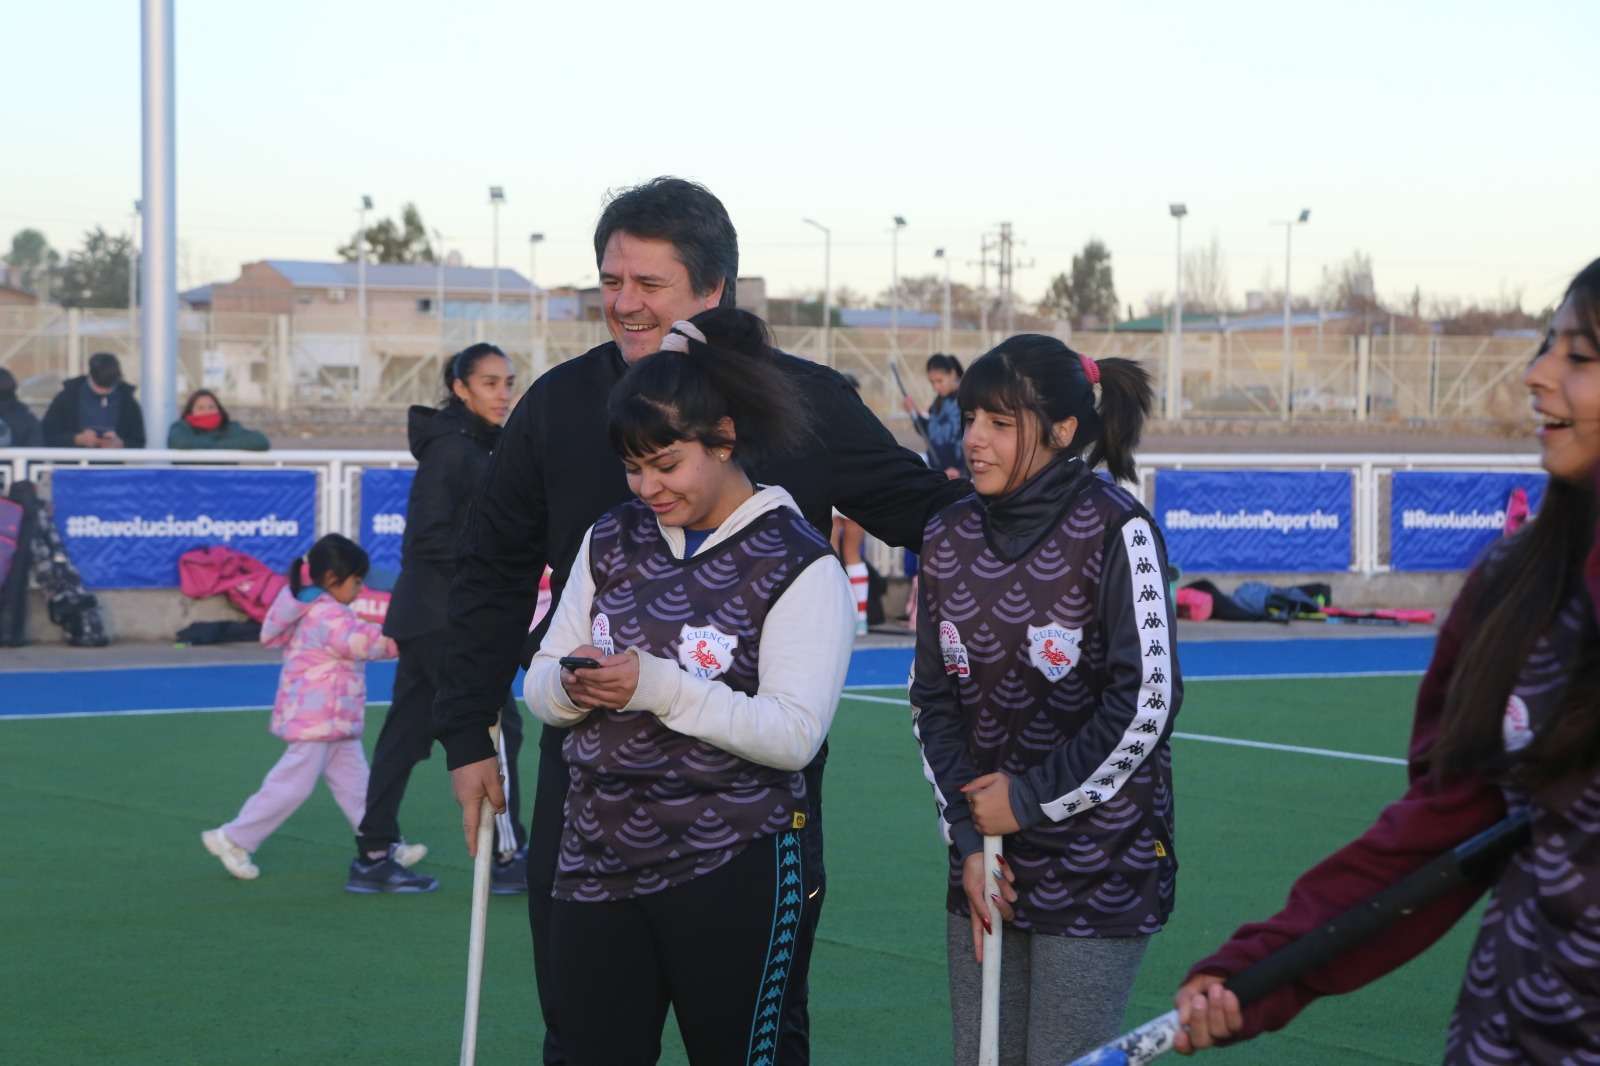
(1045, 689)
(205, 424)
(453, 444)
(95, 411)
(321, 702)
(941, 426)
(26, 431)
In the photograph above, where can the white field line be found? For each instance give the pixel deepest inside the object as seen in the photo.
(1326, 753)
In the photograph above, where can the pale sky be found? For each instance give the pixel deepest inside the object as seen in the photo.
(1454, 142)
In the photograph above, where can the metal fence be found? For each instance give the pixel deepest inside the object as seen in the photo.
(339, 482)
(311, 361)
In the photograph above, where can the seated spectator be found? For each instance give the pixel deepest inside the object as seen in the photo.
(24, 427)
(205, 424)
(95, 411)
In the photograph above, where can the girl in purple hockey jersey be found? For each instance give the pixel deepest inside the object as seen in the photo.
(1045, 689)
(720, 624)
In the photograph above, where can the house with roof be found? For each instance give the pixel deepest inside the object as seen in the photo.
(397, 292)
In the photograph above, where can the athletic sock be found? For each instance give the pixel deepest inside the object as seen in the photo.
(857, 573)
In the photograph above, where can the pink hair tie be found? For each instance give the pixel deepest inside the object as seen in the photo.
(1091, 369)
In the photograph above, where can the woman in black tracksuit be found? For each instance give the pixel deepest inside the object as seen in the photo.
(453, 445)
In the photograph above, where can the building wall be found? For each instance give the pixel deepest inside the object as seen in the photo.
(259, 289)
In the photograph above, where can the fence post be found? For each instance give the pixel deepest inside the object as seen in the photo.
(75, 365)
(1363, 377)
(282, 364)
(1433, 377)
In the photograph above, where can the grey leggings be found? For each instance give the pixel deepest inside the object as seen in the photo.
(1060, 996)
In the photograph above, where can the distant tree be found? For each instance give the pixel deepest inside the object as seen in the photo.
(1350, 286)
(388, 241)
(32, 259)
(1088, 291)
(845, 296)
(95, 275)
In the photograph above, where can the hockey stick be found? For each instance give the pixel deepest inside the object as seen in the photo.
(989, 1020)
(478, 929)
(1471, 860)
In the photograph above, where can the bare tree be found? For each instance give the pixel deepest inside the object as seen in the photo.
(1205, 278)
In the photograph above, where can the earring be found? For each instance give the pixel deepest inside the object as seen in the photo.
(724, 456)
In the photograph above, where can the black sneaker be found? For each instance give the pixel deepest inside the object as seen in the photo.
(510, 878)
(386, 875)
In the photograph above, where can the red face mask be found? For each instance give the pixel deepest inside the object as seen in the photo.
(206, 422)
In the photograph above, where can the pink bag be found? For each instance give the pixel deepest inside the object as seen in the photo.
(1194, 604)
(249, 583)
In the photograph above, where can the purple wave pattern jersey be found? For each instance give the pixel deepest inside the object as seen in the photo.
(1026, 647)
(648, 808)
(1532, 987)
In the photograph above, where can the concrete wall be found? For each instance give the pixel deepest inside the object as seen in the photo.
(135, 614)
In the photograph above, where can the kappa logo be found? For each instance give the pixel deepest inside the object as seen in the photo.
(1054, 650)
(955, 652)
(1515, 726)
(600, 634)
(705, 651)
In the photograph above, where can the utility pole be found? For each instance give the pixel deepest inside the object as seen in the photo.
(1007, 246)
(986, 245)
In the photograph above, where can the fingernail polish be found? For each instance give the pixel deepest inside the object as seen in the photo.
(1001, 859)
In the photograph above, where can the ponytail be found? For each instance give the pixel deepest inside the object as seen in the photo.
(1125, 398)
(296, 570)
(947, 363)
(719, 365)
(1040, 376)
(334, 556)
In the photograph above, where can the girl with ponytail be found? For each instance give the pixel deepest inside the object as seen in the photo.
(1045, 688)
(696, 655)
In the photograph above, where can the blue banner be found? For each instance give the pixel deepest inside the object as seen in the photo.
(1442, 520)
(125, 529)
(384, 495)
(1251, 521)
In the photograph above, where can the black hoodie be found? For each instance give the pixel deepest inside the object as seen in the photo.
(62, 421)
(25, 430)
(452, 447)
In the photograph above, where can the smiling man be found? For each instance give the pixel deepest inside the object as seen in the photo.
(666, 250)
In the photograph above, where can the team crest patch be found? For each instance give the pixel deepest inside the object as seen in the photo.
(600, 634)
(1054, 650)
(1515, 727)
(955, 652)
(705, 651)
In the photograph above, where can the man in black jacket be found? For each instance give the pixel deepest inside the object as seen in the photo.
(666, 250)
(95, 411)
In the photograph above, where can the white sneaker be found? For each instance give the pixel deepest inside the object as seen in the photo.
(235, 859)
(409, 854)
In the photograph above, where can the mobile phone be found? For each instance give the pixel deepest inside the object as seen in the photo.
(579, 662)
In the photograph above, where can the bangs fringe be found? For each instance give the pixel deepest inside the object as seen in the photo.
(640, 427)
(994, 385)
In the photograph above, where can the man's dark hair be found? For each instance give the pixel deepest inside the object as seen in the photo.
(104, 370)
(686, 214)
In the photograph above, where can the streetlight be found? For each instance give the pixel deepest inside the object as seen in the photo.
(944, 318)
(894, 271)
(438, 280)
(535, 333)
(497, 196)
(1175, 362)
(827, 289)
(361, 290)
(1288, 364)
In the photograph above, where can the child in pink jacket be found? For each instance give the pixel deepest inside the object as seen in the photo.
(322, 697)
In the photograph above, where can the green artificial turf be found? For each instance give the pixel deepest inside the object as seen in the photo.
(125, 942)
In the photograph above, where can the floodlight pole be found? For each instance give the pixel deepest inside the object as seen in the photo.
(1288, 333)
(497, 196)
(894, 274)
(827, 289)
(1175, 360)
(159, 354)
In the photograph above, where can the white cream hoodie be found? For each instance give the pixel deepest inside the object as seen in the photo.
(804, 654)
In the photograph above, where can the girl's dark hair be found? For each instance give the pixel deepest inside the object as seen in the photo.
(188, 406)
(333, 556)
(459, 367)
(672, 396)
(940, 361)
(1032, 374)
(8, 385)
(686, 214)
(1524, 584)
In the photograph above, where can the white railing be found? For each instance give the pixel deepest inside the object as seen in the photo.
(338, 480)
